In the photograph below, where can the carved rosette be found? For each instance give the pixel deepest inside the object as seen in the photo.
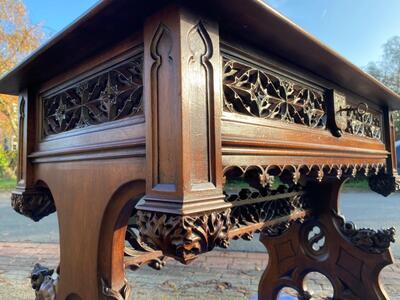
(184, 237)
(34, 204)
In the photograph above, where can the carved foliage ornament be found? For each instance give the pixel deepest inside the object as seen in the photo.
(384, 184)
(366, 239)
(112, 95)
(35, 204)
(137, 249)
(184, 237)
(259, 93)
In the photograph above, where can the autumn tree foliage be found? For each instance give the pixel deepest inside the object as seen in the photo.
(18, 37)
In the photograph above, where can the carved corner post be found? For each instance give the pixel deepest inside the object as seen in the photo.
(28, 200)
(350, 258)
(388, 182)
(182, 67)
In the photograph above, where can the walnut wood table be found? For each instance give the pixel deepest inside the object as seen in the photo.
(168, 128)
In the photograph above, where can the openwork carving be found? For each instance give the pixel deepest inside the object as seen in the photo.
(262, 177)
(184, 237)
(361, 122)
(112, 95)
(109, 293)
(44, 282)
(139, 254)
(34, 204)
(256, 92)
(367, 239)
(250, 208)
(292, 256)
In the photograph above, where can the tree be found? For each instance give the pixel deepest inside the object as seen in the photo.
(18, 37)
(388, 71)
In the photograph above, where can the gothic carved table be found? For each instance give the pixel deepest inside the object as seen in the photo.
(167, 128)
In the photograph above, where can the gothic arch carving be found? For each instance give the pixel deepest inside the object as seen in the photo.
(113, 284)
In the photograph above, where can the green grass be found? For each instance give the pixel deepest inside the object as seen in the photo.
(7, 184)
(357, 185)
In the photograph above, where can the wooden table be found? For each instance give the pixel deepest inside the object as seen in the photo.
(177, 126)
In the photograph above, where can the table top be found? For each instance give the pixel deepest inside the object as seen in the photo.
(291, 43)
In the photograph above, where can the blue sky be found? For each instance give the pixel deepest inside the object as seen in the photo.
(354, 28)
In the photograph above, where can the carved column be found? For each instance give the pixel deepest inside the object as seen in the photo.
(182, 95)
(28, 200)
(350, 258)
(388, 182)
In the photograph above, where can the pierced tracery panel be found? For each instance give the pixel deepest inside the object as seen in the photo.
(258, 93)
(111, 95)
(363, 123)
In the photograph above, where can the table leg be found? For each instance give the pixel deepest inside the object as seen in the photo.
(350, 258)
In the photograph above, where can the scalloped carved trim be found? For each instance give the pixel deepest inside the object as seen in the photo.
(34, 204)
(263, 176)
(184, 237)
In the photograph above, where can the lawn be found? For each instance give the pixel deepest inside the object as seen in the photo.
(7, 184)
(356, 185)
